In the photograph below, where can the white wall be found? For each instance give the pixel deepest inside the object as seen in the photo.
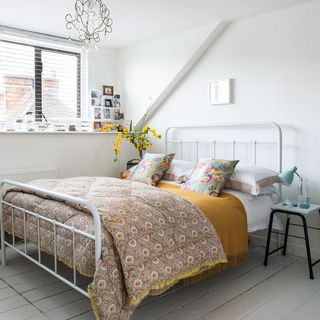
(275, 61)
(146, 69)
(72, 154)
(102, 66)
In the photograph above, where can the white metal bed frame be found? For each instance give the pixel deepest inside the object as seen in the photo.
(234, 143)
(58, 196)
(90, 206)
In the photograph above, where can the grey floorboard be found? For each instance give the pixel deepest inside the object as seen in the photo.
(248, 292)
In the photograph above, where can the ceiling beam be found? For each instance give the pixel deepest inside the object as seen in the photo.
(192, 61)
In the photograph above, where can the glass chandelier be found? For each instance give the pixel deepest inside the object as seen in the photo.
(91, 19)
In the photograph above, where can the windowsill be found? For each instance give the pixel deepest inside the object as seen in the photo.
(56, 133)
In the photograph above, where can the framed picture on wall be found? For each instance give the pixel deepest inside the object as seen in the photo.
(107, 90)
(220, 91)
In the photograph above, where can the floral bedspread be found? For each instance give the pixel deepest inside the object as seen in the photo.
(151, 238)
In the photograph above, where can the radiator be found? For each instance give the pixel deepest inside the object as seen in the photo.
(26, 175)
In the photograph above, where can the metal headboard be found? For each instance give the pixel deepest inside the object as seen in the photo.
(251, 127)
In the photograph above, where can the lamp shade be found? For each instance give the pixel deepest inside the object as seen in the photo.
(288, 176)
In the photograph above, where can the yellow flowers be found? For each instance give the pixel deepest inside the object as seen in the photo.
(153, 132)
(138, 139)
(107, 128)
(119, 137)
(116, 144)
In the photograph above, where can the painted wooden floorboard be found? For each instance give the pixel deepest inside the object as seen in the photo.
(85, 316)
(16, 267)
(46, 292)
(170, 303)
(12, 303)
(261, 301)
(201, 306)
(6, 293)
(309, 309)
(2, 284)
(22, 313)
(30, 284)
(248, 292)
(70, 310)
(57, 301)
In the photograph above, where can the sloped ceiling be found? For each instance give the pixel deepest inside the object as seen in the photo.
(136, 20)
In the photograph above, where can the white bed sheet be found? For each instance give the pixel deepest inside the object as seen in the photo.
(257, 209)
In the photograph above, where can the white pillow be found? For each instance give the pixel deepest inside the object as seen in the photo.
(178, 168)
(252, 179)
(269, 191)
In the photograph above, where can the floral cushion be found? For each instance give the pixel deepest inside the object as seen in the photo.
(209, 176)
(129, 172)
(152, 168)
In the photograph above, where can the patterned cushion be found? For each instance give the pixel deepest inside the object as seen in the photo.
(152, 168)
(129, 172)
(209, 176)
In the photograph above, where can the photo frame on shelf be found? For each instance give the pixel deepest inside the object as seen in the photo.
(97, 113)
(107, 90)
(97, 125)
(118, 115)
(108, 103)
(128, 124)
(106, 113)
(96, 100)
(116, 101)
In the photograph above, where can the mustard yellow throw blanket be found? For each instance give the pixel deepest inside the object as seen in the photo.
(228, 216)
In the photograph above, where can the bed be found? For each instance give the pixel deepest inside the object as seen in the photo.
(154, 237)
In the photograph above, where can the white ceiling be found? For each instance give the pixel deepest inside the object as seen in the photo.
(136, 20)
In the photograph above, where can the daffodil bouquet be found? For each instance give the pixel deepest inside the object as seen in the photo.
(139, 139)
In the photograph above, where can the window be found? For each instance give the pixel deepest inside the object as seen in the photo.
(39, 82)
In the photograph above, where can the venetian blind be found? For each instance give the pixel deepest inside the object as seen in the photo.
(42, 82)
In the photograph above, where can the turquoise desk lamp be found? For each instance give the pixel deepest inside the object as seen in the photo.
(287, 178)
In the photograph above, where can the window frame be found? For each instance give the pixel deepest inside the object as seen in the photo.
(37, 83)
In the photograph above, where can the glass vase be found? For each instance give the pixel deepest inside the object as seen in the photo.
(304, 194)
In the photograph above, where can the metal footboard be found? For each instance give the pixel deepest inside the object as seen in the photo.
(24, 213)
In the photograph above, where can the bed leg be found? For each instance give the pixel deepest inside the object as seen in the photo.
(3, 246)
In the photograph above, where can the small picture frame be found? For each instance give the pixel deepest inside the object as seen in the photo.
(95, 94)
(95, 98)
(107, 90)
(128, 124)
(220, 92)
(97, 126)
(97, 113)
(118, 115)
(106, 113)
(108, 103)
(116, 101)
